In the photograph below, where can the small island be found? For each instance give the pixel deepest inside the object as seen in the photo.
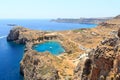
(11, 25)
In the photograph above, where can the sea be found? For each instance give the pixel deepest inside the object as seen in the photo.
(12, 53)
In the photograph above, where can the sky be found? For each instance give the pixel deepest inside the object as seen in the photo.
(39, 9)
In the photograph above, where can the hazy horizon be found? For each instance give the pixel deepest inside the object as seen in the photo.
(52, 9)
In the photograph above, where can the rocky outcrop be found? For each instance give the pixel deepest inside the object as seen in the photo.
(119, 33)
(29, 37)
(117, 17)
(102, 63)
(16, 34)
(38, 66)
(23, 35)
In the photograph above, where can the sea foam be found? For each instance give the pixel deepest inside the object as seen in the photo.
(2, 37)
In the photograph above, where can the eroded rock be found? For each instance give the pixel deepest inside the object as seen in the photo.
(103, 62)
(38, 66)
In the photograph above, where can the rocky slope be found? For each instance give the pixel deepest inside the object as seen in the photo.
(102, 62)
(38, 66)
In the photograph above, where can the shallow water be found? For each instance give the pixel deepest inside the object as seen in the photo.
(53, 47)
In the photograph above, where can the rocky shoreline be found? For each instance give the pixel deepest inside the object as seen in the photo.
(91, 54)
(30, 38)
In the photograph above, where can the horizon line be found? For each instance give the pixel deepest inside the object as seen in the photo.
(61, 17)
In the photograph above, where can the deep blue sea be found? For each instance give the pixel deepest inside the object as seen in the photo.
(11, 53)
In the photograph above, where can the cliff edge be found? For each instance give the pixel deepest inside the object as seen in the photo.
(102, 62)
(38, 66)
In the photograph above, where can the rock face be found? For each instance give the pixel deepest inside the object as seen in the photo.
(15, 35)
(23, 35)
(38, 66)
(102, 63)
(119, 33)
(117, 17)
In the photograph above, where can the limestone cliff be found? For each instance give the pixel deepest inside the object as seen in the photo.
(38, 66)
(22, 35)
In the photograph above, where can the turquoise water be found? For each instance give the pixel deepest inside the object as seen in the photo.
(53, 47)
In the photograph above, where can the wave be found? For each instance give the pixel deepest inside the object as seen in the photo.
(2, 37)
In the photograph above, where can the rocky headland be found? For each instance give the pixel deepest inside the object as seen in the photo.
(34, 64)
(90, 54)
(82, 20)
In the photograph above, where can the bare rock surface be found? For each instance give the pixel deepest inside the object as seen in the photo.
(38, 66)
(103, 62)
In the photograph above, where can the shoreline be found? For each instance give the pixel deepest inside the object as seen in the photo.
(84, 49)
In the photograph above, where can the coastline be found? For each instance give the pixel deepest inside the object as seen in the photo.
(82, 20)
(67, 64)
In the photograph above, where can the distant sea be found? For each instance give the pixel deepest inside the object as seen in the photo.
(12, 53)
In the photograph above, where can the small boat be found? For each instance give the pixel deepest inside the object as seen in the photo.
(50, 47)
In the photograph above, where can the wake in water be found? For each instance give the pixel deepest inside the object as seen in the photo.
(2, 37)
